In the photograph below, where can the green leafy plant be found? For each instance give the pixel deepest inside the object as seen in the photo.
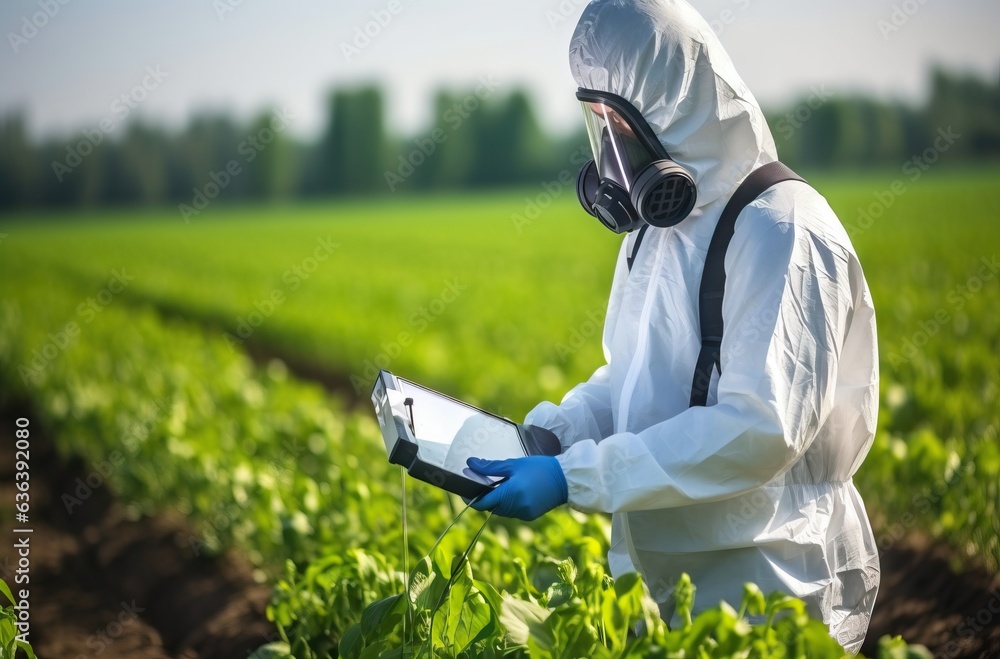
(327, 598)
(9, 642)
(158, 386)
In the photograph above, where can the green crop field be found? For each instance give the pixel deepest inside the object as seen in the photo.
(130, 334)
(483, 305)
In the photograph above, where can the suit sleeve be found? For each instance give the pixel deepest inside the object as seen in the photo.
(786, 307)
(584, 413)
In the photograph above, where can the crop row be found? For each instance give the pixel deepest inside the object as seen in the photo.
(270, 465)
(506, 316)
(256, 459)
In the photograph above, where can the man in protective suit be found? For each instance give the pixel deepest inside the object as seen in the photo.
(754, 484)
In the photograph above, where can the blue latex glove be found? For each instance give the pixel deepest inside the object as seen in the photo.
(534, 486)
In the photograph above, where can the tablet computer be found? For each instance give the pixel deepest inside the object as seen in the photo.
(432, 435)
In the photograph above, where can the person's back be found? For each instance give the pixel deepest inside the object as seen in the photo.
(755, 486)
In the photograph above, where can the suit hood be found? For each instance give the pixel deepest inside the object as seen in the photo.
(663, 57)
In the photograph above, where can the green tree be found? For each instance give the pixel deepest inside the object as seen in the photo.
(269, 159)
(18, 163)
(352, 152)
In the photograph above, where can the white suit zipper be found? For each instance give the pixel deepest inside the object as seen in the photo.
(642, 340)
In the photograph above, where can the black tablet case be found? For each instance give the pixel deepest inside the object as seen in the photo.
(534, 440)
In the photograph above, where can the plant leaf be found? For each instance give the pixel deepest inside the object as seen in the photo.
(518, 616)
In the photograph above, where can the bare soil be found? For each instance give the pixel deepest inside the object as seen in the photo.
(102, 584)
(921, 598)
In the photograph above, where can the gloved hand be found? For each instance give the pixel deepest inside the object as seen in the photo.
(534, 486)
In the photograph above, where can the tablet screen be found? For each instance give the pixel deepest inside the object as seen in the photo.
(449, 432)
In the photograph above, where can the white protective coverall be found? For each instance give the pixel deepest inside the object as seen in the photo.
(757, 485)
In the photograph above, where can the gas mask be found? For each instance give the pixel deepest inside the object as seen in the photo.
(632, 180)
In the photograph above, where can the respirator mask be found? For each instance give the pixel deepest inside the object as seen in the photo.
(632, 180)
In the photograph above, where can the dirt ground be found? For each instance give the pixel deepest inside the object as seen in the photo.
(922, 599)
(106, 585)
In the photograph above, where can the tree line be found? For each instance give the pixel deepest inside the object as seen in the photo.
(479, 139)
(829, 131)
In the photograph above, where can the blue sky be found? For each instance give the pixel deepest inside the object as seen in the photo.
(245, 55)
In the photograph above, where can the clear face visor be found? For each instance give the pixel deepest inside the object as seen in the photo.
(618, 152)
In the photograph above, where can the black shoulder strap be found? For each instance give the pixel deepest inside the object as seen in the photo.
(630, 259)
(713, 279)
